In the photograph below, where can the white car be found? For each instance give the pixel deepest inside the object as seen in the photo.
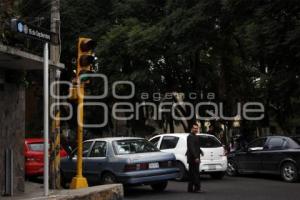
(213, 162)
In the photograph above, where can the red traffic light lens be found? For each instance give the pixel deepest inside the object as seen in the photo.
(87, 45)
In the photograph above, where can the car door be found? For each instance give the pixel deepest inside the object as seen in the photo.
(273, 154)
(249, 160)
(70, 164)
(95, 162)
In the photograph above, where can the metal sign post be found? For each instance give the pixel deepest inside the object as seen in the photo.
(46, 119)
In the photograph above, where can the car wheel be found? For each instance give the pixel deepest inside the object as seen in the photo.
(159, 187)
(231, 168)
(182, 171)
(217, 175)
(108, 178)
(289, 172)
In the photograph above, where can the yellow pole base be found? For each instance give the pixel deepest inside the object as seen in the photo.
(79, 182)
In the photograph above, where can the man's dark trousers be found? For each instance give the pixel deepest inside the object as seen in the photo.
(194, 177)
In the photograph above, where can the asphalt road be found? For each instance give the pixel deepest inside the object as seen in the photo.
(230, 188)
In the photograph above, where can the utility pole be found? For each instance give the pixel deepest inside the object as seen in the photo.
(54, 168)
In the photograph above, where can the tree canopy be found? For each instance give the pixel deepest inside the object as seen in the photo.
(241, 50)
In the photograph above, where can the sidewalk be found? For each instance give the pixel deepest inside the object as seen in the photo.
(35, 191)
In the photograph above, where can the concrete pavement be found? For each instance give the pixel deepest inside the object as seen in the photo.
(230, 188)
(34, 191)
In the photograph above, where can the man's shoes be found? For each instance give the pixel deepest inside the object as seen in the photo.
(190, 188)
(199, 191)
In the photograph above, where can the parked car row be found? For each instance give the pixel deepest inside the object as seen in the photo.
(137, 161)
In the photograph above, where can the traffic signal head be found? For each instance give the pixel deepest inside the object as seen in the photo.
(87, 44)
(86, 56)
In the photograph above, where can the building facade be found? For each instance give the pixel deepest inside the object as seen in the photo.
(13, 66)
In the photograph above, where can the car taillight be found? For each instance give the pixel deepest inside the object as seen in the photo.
(130, 167)
(135, 167)
(142, 166)
(171, 163)
(30, 159)
(167, 164)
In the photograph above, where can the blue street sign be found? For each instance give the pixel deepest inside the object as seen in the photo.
(34, 32)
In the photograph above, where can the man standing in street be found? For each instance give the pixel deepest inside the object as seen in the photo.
(193, 158)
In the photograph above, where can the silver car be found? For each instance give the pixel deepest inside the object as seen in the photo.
(127, 160)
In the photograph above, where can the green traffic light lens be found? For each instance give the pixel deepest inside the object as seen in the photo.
(86, 60)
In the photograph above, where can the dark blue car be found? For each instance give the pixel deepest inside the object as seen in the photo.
(268, 155)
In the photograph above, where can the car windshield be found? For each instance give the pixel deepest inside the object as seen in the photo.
(133, 146)
(36, 146)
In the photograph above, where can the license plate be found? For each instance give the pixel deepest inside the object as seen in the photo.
(212, 167)
(153, 165)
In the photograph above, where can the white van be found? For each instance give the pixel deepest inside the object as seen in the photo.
(213, 162)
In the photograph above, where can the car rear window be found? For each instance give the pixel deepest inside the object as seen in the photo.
(169, 142)
(209, 142)
(133, 146)
(297, 139)
(36, 146)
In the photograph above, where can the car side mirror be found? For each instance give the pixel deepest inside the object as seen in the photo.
(72, 154)
(69, 149)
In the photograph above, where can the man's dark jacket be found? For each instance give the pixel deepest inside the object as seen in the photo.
(193, 148)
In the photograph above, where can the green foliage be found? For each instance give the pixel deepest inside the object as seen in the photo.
(221, 46)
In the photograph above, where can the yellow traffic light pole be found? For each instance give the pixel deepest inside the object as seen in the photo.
(79, 181)
(85, 59)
